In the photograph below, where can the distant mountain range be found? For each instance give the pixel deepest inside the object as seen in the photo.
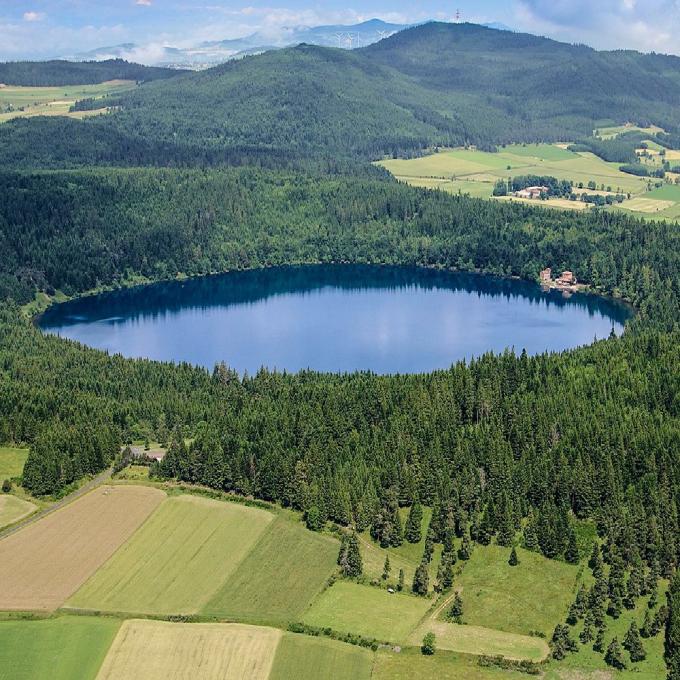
(211, 53)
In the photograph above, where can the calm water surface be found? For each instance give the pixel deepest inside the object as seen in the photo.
(334, 318)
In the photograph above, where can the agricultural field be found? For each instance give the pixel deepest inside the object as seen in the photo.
(277, 580)
(299, 657)
(157, 650)
(371, 612)
(178, 559)
(12, 509)
(660, 203)
(17, 101)
(475, 173)
(480, 640)
(533, 596)
(64, 648)
(44, 563)
(12, 461)
(616, 130)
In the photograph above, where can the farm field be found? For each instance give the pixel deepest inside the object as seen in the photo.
(475, 173)
(616, 130)
(55, 101)
(277, 580)
(64, 648)
(372, 612)
(533, 596)
(12, 509)
(299, 657)
(480, 640)
(178, 559)
(12, 461)
(46, 562)
(156, 650)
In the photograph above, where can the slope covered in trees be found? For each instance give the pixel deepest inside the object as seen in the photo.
(60, 72)
(446, 84)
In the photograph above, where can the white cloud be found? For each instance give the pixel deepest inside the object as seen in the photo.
(34, 16)
(145, 3)
(649, 25)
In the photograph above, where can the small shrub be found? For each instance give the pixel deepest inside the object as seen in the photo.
(429, 645)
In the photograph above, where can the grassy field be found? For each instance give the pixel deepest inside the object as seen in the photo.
(410, 664)
(156, 650)
(18, 101)
(64, 648)
(12, 462)
(46, 562)
(479, 640)
(475, 173)
(299, 657)
(278, 579)
(12, 509)
(178, 560)
(533, 596)
(616, 130)
(372, 612)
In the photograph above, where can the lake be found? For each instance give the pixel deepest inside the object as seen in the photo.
(334, 318)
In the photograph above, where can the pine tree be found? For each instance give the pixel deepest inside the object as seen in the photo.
(530, 536)
(614, 655)
(572, 616)
(386, 568)
(598, 646)
(513, 561)
(421, 580)
(352, 565)
(465, 550)
(456, 611)
(400, 582)
(646, 630)
(595, 560)
(672, 636)
(586, 634)
(633, 644)
(561, 642)
(571, 554)
(415, 519)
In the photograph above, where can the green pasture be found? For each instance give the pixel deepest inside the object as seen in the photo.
(18, 101)
(533, 596)
(12, 461)
(12, 509)
(63, 648)
(368, 611)
(615, 130)
(177, 560)
(279, 577)
(299, 657)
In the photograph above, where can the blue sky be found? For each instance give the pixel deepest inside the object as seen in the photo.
(42, 28)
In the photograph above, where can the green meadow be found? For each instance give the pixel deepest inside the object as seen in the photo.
(63, 648)
(12, 461)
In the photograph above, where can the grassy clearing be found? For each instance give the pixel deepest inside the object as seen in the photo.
(372, 612)
(589, 663)
(12, 461)
(545, 152)
(533, 596)
(480, 640)
(616, 130)
(276, 582)
(561, 203)
(177, 561)
(46, 562)
(64, 648)
(18, 101)
(156, 650)
(12, 509)
(647, 205)
(299, 657)
(410, 664)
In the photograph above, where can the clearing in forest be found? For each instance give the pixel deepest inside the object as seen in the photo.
(12, 461)
(157, 650)
(368, 611)
(64, 648)
(300, 657)
(46, 562)
(533, 596)
(12, 509)
(277, 580)
(178, 560)
(484, 641)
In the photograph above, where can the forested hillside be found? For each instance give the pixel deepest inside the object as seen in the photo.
(59, 72)
(446, 84)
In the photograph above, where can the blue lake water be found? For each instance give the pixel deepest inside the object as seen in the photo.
(334, 318)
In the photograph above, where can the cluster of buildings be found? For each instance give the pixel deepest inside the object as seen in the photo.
(532, 192)
(565, 280)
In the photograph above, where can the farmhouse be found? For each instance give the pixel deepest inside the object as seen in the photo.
(532, 192)
(546, 275)
(566, 279)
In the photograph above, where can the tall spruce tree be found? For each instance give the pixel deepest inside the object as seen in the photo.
(413, 523)
(671, 646)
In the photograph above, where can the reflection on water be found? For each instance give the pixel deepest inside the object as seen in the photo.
(334, 318)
